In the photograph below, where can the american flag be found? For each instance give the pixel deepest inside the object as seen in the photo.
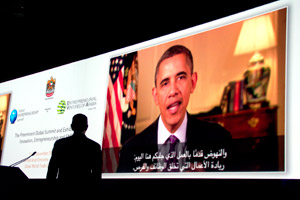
(113, 115)
(119, 125)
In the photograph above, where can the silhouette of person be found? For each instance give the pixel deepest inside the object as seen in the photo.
(76, 159)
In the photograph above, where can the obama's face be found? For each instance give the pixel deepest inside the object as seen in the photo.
(174, 84)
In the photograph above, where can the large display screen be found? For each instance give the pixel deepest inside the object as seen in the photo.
(242, 93)
(227, 98)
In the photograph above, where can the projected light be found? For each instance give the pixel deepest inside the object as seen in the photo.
(256, 34)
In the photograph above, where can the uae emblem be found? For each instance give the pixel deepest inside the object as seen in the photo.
(50, 87)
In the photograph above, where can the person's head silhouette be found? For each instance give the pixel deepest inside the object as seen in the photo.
(79, 123)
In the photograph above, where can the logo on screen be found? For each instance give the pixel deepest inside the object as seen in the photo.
(61, 107)
(13, 116)
(50, 87)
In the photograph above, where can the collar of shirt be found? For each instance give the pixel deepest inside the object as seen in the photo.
(164, 134)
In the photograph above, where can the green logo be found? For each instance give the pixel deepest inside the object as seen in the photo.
(61, 107)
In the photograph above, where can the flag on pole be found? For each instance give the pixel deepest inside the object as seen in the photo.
(117, 106)
(113, 113)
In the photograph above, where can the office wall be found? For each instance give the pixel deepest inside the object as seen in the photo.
(216, 65)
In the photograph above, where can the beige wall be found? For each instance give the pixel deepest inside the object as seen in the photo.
(216, 66)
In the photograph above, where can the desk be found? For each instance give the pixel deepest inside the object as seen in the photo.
(254, 133)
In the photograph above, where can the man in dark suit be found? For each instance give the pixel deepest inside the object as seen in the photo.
(191, 144)
(76, 159)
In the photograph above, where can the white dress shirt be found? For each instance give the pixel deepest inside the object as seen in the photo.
(164, 134)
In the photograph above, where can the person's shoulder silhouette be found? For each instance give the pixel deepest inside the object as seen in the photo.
(76, 158)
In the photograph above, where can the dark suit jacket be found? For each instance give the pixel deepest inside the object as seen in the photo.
(75, 159)
(200, 135)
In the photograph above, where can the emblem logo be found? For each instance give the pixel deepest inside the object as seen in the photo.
(61, 107)
(50, 87)
(13, 116)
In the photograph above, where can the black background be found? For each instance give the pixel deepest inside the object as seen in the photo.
(41, 34)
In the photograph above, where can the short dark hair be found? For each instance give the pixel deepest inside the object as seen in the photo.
(79, 123)
(172, 51)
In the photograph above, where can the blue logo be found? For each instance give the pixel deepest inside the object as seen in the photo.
(13, 116)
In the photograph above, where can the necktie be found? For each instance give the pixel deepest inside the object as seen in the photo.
(171, 157)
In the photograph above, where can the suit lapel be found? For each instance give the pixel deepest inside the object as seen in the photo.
(153, 133)
(189, 129)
